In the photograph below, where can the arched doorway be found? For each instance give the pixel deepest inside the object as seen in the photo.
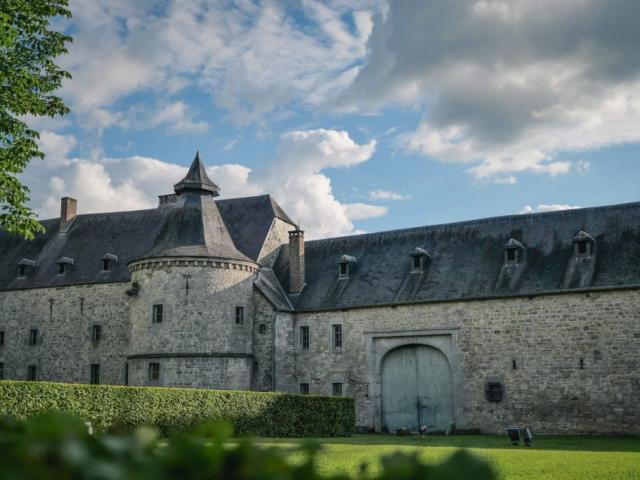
(416, 389)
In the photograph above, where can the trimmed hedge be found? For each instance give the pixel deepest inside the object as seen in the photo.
(110, 407)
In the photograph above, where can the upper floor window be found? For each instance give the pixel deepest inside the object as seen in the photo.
(304, 337)
(239, 315)
(33, 336)
(96, 333)
(583, 244)
(336, 389)
(64, 264)
(262, 328)
(1, 338)
(336, 334)
(24, 266)
(32, 373)
(154, 371)
(345, 266)
(157, 313)
(419, 257)
(304, 389)
(108, 260)
(95, 374)
(512, 251)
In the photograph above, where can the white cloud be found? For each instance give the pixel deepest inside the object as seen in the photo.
(387, 195)
(176, 116)
(507, 87)
(294, 178)
(547, 208)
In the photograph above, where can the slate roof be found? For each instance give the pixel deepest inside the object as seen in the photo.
(131, 235)
(467, 260)
(197, 180)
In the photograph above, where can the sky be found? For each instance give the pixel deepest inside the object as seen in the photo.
(355, 115)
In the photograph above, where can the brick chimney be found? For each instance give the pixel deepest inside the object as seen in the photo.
(68, 211)
(296, 261)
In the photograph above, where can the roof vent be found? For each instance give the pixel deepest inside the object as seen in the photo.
(345, 266)
(583, 244)
(419, 258)
(512, 252)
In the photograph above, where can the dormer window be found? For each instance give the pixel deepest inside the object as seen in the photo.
(419, 258)
(24, 267)
(583, 244)
(108, 260)
(512, 252)
(64, 265)
(345, 266)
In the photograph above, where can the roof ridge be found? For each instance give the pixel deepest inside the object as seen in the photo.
(479, 221)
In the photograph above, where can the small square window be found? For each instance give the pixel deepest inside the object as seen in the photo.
(344, 269)
(239, 315)
(1, 338)
(336, 333)
(33, 336)
(95, 374)
(32, 373)
(106, 265)
(62, 268)
(512, 255)
(417, 262)
(157, 313)
(582, 248)
(336, 389)
(304, 389)
(262, 328)
(304, 337)
(96, 333)
(154, 371)
(1, 370)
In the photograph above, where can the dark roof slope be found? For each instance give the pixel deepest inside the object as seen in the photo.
(131, 235)
(467, 259)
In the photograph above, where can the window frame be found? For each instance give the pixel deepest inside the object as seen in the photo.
(304, 388)
(305, 337)
(337, 389)
(337, 337)
(154, 371)
(106, 264)
(96, 332)
(2, 338)
(239, 316)
(94, 374)
(32, 373)
(343, 270)
(511, 256)
(33, 337)
(583, 244)
(157, 313)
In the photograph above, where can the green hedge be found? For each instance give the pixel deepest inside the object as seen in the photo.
(110, 407)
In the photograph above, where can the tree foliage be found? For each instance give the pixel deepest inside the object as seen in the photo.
(28, 78)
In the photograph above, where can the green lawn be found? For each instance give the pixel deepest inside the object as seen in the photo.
(558, 458)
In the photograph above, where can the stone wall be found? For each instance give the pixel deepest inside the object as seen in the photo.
(547, 336)
(64, 317)
(263, 343)
(278, 235)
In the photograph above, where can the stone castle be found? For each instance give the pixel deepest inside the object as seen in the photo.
(529, 319)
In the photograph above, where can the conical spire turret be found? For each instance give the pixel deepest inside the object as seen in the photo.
(197, 180)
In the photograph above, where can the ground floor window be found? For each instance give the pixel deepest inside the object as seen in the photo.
(1, 371)
(95, 374)
(304, 389)
(32, 373)
(154, 371)
(336, 389)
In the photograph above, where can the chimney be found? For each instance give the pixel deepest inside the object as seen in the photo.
(296, 261)
(68, 210)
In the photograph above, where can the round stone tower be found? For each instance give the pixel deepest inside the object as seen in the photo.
(191, 309)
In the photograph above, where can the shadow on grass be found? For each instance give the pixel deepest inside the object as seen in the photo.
(542, 442)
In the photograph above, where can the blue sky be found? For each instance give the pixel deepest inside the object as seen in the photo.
(355, 115)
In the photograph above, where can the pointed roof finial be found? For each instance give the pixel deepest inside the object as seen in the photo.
(197, 180)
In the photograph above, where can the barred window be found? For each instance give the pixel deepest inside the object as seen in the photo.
(304, 389)
(95, 374)
(304, 337)
(154, 371)
(336, 389)
(337, 336)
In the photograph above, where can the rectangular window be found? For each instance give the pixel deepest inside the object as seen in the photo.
(582, 248)
(32, 373)
(22, 270)
(511, 255)
(105, 265)
(156, 314)
(304, 389)
(62, 267)
(417, 262)
(95, 374)
(336, 389)
(304, 337)
(337, 336)
(1, 338)
(344, 269)
(1, 371)
(262, 328)
(96, 333)
(33, 336)
(154, 371)
(126, 374)
(239, 315)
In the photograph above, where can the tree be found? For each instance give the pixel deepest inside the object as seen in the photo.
(28, 76)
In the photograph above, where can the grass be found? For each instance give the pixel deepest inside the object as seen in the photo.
(557, 458)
